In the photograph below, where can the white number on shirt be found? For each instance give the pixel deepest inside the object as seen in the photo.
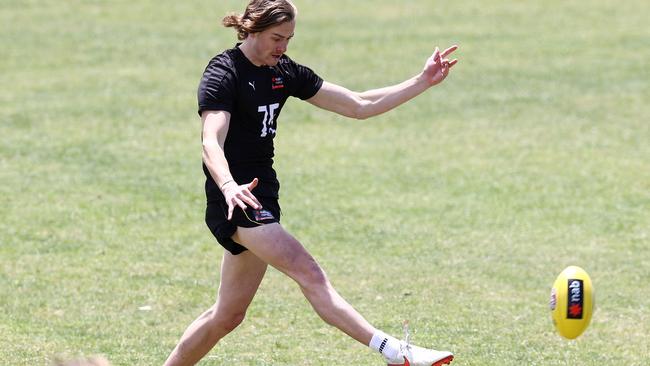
(269, 117)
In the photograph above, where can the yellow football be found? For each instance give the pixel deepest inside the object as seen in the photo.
(572, 302)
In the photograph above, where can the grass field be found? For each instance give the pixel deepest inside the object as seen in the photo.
(455, 211)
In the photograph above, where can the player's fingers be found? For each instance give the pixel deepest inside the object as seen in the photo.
(449, 50)
(436, 56)
(253, 184)
(237, 203)
(251, 200)
(230, 210)
(445, 68)
(255, 201)
(453, 62)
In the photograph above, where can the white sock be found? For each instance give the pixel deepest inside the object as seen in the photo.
(386, 345)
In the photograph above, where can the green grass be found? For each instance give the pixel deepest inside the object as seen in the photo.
(456, 211)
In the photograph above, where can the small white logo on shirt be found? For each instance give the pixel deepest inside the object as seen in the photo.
(252, 84)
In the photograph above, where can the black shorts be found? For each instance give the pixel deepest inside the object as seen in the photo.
(216, 217)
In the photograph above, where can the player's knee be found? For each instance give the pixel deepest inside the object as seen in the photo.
(312, 275)
(231, 321)
(227, 321)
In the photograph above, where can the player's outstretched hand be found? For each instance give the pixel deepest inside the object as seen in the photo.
(438, 65)
(240, 195)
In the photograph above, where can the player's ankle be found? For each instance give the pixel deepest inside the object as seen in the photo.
(388, 346)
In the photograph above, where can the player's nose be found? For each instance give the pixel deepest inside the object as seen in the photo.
(282, 47)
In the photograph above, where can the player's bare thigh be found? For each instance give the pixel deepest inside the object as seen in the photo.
(241, 276)
(275, 246)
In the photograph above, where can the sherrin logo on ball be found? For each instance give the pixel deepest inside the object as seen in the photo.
(572, 302)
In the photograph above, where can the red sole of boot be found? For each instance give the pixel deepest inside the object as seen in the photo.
(444, 361)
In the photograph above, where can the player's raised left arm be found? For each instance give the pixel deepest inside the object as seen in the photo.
(362, 105)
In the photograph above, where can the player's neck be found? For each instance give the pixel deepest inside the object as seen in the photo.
(249, 51)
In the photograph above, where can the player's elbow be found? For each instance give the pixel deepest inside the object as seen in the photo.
(361, 116)
(211, 147)
(363, 110)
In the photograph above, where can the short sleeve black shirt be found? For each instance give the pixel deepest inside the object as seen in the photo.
(254, 96)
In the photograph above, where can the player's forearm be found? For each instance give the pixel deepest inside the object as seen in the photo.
(378, 101)
(215, 160)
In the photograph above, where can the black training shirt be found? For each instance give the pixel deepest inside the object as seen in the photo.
(254, 97)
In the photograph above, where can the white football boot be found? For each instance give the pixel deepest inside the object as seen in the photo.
(410, 355)
(418, 356)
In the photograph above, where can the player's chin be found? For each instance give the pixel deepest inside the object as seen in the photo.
(273, 60)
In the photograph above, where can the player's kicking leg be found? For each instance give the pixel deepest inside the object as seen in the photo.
(272, 244)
